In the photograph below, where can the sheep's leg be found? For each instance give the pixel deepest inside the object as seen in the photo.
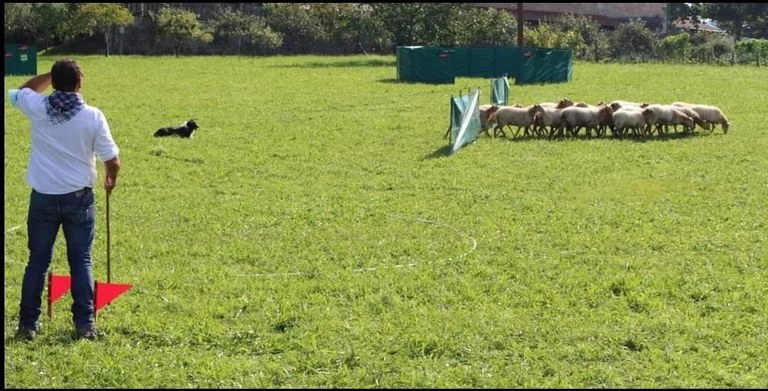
(499, 129)
(575, 131)
(649, 129)
(553, 131)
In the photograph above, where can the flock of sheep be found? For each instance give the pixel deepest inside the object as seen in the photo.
(566, 118)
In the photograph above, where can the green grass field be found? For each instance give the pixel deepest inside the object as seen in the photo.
(314, 233)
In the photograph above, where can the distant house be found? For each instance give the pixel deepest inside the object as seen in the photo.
(680, 25)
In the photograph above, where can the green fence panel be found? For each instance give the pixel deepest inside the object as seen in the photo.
(20, 59)
(442, 65)
(546, 66)
(425, 64)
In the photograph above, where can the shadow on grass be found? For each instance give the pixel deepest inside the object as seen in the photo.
(397, 81)
(196, 160)
(363, 62)
(63, 339)
(443, 151)
(582, 137)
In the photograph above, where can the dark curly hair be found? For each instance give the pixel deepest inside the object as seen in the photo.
(65, 74)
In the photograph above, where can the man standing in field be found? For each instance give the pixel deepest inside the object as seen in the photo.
(67, 136)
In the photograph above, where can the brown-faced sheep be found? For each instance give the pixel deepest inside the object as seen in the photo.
(574, 118)
(622, 104)
(522, 117)
(485, 113)
(561, 104)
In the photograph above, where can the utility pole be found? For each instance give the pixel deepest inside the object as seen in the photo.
(520, 25)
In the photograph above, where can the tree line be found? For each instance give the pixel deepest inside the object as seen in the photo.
(344, 28)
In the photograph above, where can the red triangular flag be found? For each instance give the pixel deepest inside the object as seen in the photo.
(106, 292)
(57, 287)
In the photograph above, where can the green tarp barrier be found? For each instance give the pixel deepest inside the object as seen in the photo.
(429, 65)
(442, 65)
(465, 119)
(20, 59)
(487, 62)
(546, 66)
(499, 91)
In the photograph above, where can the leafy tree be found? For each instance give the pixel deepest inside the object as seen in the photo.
(365, 29)
(750, 50)
(101, 18)
(675, 47)
(735, 18)
(758, 28)
(433, 24)
(47, 24)
(19, 22)
(350, 25)
(632, 40)
(547, 36)
(489, 27)
(179, 27)
(250, 29)
(588, 42)
(262, 38)
(680, 11)
(442, 23)
(403, 21)
(397, 21)
(301, 32)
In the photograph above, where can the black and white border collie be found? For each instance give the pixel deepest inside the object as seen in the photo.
(185, 130)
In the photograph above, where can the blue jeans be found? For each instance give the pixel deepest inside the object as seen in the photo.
(75, 213)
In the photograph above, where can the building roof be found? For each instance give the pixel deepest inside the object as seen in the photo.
(701, 26)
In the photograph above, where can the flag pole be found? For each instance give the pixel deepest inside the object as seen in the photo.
(50, 294)
(109, 263)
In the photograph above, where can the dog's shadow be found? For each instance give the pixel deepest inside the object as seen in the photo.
(161, 153)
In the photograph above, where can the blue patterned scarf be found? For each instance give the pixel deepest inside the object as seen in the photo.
(62, 106)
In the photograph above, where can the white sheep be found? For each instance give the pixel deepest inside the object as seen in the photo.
(522, 117)
(664, 115)
(708, 113)
(549, 117)
(694, 115)
(591, 117)
(625, 119)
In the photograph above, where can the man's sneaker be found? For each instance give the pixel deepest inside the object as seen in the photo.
(85, 333)
(26, 333)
